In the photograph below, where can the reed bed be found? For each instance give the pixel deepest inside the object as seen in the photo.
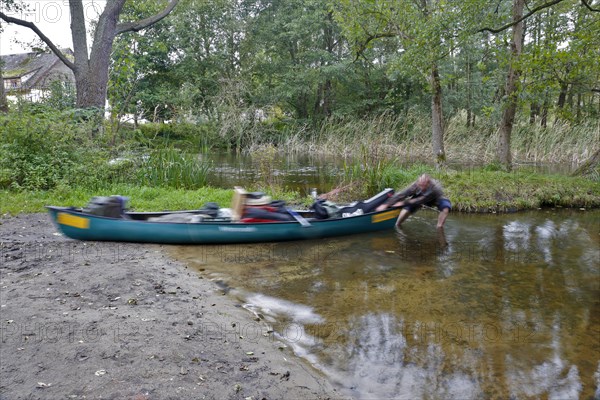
(171, 167)
(408, 138)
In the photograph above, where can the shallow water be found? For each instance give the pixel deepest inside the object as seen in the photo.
(496, 306)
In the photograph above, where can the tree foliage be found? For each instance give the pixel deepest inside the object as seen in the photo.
(316, 59)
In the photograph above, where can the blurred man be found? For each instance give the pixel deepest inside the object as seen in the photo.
(425, 191)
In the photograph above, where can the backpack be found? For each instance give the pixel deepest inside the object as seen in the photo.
(112, 207)
(324, 209)
(211, 209)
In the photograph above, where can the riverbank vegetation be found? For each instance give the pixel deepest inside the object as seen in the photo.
(54, 157)
(477, 190)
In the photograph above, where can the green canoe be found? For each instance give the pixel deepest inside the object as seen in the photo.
(82, 226)
(112, 223)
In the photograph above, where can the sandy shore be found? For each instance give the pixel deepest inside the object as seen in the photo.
(124, 321)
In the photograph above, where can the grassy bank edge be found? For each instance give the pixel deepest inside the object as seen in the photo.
(140, 198)
(470, 191)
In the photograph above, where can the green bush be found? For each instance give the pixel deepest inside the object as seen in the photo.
(61, 96)
(39, 149)
(42, 148)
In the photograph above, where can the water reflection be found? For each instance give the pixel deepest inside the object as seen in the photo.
(494, 307)
(297, 172)
(304, 171)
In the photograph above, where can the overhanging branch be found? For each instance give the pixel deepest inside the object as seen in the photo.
(589, 7)
(369, 39)
(524, 17)
(45, 39)
(143, 23)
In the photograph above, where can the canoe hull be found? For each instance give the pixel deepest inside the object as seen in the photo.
(77, 225)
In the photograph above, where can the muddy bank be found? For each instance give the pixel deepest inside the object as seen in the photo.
(117, 320)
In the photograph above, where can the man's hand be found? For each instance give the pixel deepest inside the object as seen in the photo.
(382, 207)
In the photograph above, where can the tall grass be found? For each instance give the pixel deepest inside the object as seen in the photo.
(563, 142)
(170, 167)
(390, 136)
(373, 169)
(265, 162)
(202, 137)
(560, 142)
(407, 138)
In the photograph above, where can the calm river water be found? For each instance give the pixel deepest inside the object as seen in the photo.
(497, 306)
(303, 172)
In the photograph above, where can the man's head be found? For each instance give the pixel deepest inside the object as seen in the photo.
(423, 181)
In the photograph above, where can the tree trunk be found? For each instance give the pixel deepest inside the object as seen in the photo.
(91, 72)
(570, 95)
(3, 102)
(544, 114)
(469, 90)
(301, 105)
(327, 96)
(534, 112)
(322, 106)
(91, 86)
(437, 119)
(562, 97)
(511, 90)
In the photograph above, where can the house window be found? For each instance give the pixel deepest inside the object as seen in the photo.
(11, 83)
